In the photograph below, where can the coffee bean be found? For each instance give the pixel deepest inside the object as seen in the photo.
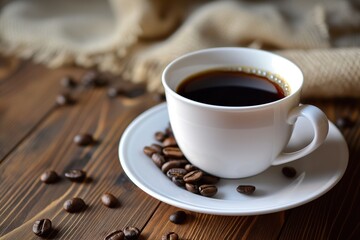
(157, 147)
(193, 176)
(169, 142)
(344, 122)
(192, 188)
(135, 92)
(177, 163)
(49, 177)
(160, 136)
(170, 236)
(169, 131)
(74, 205)
(179, 172)
(149, 151)
(289, 172)
(42, 227)
(209, 179)
(68, 82)
(75, 175)
(158, 159)
(131, 233)
(109, 200)
(246, 189)
(172, 152)
(84, 139)
(208, 190)
(178, 217)
(189, 167)
(93, 79)
(116, 235)
(178, 180)
(64, 99)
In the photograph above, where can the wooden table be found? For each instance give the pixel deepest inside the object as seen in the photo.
(35, 135)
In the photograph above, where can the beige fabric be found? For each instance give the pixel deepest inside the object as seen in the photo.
(323, 39)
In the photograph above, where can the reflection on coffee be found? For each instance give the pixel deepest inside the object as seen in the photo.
(234, 87)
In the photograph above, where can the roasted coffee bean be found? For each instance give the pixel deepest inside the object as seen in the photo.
(209, 179)
(42, 227)
(246, 189)
(135, 92)
(172, 152)
(158, 159)
(64, 99)
(178, 217)
(131, 233)
(149, 151)
(75, 175)
(170, 236)
(344, 122)
(289, 172)
(177, 163)
(160, 136)
(189, 167)
(157, 147)
(93, 79)
(109, 200)
(192, 188)
(74, 205)
(116, 235)
(178, 180)
(208, 190)
(49, 177)
(193, 176)
(169, 142)
(84, 139)
(169, 131)
(179, 172)
(68, 82)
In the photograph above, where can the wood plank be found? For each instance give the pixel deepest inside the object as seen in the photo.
(336, 214)
(205, 226)
(26, 97)
(25, 199)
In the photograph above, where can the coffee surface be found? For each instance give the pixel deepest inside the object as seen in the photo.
(229, 87)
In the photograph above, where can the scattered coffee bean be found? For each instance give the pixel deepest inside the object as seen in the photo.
(192, 188)
(68, 82)
(74, 205)
(42, 227)
(131, 233)
(109, 200)
(178, 180)
(344, 122)
(189, 167)
(193, 176)
(169, 131)
(93, 79)
(208, 190)
(64, 99)
(157, 147)
(135, 92)
(246, 189)
(289, 172)
(170, 236)
(75, 175)
(177, 163)
(176, 172)
(160, 136)
(84, 139)
(209, 179)
(158, 159)
(116, 235)
(178, 217)
(173, 152)
(49, 177)
(169, 142)
(149, 151)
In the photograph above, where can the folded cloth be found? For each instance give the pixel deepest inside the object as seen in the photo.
(114, 35)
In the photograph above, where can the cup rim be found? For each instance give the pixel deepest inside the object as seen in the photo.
(169, 90)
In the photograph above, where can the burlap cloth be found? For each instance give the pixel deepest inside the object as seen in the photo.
(138, 38)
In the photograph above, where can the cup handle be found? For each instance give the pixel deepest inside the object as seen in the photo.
(320, 125)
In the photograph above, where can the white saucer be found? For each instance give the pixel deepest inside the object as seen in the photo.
(317, 173)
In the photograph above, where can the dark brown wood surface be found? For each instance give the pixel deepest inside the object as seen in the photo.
(36, 135)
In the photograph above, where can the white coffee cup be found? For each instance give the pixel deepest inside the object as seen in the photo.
(237, 142)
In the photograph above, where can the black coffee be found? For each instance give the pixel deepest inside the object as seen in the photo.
(229, 87)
